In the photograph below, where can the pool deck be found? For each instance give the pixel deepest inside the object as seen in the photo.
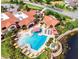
(42, 48)
(59, 51)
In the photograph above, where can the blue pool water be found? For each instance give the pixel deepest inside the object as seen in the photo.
(35, 40)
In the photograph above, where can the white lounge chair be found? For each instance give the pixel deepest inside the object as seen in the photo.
(22, 47)
(14, 44)
(16, 39)
(28, 52)
(24, 50)
(30, 55)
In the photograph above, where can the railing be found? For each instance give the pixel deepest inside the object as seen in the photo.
(66, 33)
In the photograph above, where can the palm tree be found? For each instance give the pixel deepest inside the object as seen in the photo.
(36, 17)
(11, 1)
(3, 9)
(17, 25)
(26, 8)
(24, 27)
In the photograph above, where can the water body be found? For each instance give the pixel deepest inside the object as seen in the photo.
(73, 52)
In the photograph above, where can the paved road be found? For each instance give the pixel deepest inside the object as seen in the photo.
(72, 14)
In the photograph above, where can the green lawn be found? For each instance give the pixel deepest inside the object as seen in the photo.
(60, 5)
(62, 28)
(43, 56)
(5, 1)
(34, 7)
(10, 1)
(5, 52)
(66, 23)
(9, 51)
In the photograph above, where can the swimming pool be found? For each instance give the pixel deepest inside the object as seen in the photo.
(35, 41)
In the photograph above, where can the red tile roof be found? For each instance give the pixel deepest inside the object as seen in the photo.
(5, 24)
(50, 21)
(29, 19)
(8, 22)
(12, 19)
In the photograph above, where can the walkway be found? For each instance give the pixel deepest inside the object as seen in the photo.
(59, 50)
(72, 14)
(57, 53)
(66, 33)
(62, 35)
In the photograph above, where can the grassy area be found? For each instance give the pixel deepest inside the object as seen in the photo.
(5, 48)
(67, 25)
(45, 55)
(24, 6)
(64, 7)
(5, 1)
(42, 56)
(55, 14)
(11, 1)
(9, 51)
(34, 7)
(60, 5)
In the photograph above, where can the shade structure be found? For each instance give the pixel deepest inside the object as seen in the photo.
(54, 31)
(36, 29)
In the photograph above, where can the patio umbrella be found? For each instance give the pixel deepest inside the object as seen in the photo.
(54, 31)
(36, 29)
